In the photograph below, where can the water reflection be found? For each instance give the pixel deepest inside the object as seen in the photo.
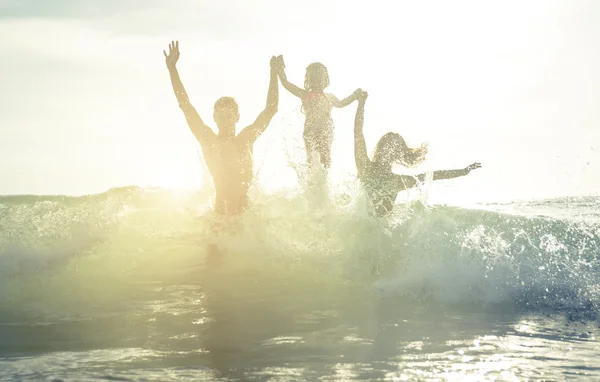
(240, 324)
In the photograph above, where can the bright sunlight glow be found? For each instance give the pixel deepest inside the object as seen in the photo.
(471, 87)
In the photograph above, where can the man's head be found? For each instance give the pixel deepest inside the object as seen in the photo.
(226, 114)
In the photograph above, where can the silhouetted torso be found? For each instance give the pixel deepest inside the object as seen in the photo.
(228, 157)
(381, 187)
(229, 160)
(317, 106)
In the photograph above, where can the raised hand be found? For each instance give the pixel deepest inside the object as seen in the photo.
(472, 167)
(173, 55)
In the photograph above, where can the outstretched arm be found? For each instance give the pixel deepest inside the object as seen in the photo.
(253, 131)
(449, 174)
(346, 101)
(197, 126)
(405, 182)
(290, 87)
(360, 146)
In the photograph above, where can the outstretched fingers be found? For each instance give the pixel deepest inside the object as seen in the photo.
(173, 47)
(474, 166)
(172, 55)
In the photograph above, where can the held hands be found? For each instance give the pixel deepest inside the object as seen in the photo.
(277, 63)
(173, 55)
(361, 95)
(472, 167)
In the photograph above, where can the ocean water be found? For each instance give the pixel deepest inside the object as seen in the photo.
(118, 286)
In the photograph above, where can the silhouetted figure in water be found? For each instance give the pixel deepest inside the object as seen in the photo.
(228, 156)
(317, 105)
(376, 175)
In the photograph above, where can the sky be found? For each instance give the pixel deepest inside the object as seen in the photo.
(86, 102)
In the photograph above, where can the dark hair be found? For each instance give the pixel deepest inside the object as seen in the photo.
(226, 103)
(401, 153)
(318, 71)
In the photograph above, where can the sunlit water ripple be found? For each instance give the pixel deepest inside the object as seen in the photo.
(115, 286)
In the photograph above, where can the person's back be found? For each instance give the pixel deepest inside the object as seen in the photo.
(316, 105)
(381, 184)
(381, 188)
(228, 157)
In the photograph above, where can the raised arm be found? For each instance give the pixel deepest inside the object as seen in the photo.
(253, 131)
(197, 126)
(346, 101)
(360, 146)
(290, 87)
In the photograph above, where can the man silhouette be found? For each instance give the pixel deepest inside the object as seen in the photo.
(228, 156)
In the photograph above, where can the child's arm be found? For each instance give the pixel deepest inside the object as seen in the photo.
(404, 182)
(360, 147)
(290, 87)
(449, 174)
(346, 101)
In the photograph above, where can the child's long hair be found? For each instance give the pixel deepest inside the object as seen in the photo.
(316, 78)
(401, 153)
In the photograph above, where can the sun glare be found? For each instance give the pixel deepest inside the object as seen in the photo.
(172, 180)
(175, 177)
